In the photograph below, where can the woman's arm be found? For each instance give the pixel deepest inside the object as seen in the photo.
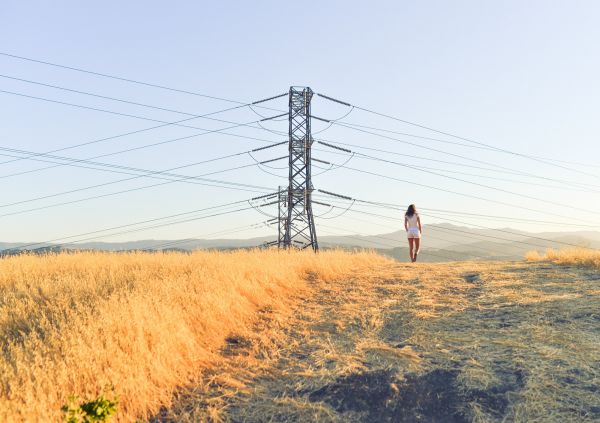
(406, 223)
(419, 223)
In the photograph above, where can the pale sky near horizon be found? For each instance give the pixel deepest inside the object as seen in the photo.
(521, 76)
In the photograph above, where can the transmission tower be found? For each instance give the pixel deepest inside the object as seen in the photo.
(281, 215)
(299, 225)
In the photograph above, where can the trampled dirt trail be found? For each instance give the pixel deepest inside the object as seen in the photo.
(455, 342)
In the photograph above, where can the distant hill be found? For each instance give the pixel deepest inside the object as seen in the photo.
(440, 242)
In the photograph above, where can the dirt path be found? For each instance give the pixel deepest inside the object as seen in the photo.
(432, 343)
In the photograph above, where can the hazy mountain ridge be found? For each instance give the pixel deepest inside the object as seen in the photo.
(439, 241)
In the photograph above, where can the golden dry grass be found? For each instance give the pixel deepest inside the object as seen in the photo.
(263, 336)
(479, 342)
(572, 256)
(145, 323)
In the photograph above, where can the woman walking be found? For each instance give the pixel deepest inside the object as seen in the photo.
(412, 224)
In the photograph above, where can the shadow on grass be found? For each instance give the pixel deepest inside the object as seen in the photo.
(435, 396)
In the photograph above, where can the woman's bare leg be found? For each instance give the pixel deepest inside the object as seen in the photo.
(417, 247)
(411, 246)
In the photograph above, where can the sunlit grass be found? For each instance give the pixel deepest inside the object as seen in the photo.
(144, 323)
(572, 256)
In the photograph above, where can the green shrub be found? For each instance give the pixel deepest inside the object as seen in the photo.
(100, 409)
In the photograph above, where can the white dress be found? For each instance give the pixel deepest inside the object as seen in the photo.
(413, 226)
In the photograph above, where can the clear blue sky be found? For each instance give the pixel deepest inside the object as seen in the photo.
(522, 76)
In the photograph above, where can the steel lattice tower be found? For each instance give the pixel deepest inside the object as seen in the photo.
(282, 215)
(299, 225)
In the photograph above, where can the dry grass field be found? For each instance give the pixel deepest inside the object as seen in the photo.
(446, 342)
(573, 256)
(334, 337)
(145, 323)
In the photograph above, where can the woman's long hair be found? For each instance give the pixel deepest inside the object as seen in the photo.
(412, 210)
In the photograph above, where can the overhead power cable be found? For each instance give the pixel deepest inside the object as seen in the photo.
(506, 191)
(193, 115)
(110, 167)
(428, 252)
(508, 218)
(128, 150)
(134, 81)
(458, 155)
(120, 100)
(462, 144)
(95, 197)
(401, 208)
(477, 197)
(541, 159)
(478, 226)
(429, 236)
(389, 131)
(472, 141)
(112, 112)
(472, 215)
(342, 213)
(570, 184)
(466, 232)
(166, 172)
(101, 166)
(117, 136)
(204, 236)
(233, 203)
(164, 224)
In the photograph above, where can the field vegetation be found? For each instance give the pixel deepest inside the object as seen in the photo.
(573, 256)
(269, 336)
(446, 342)
(147, 324)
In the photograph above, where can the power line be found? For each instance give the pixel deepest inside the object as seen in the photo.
(509, 172)
(342, 213)
(469, 214)
(365, 156)
(181, 178)
(484, 227)
(450, 154)
(515, 219)
(538, 158)
(467, 232)
(120, 135)
(515, 233)
(193, 115)
(89, 198)
(141, 223)
(95, 197)
(465, 180)
(112, 112)
(570, 189)
(454, 192)
(474, 183)
(196, 237)
(429, 169)
(463, 233)
(396, 207)
(166, 224)
(108, 167)
(58, 87)
(389, 245)
(133, 81)
(470, 235)
(128, 150)
(463, 144)
(472, 141)
(461, 165)
(429, 228)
